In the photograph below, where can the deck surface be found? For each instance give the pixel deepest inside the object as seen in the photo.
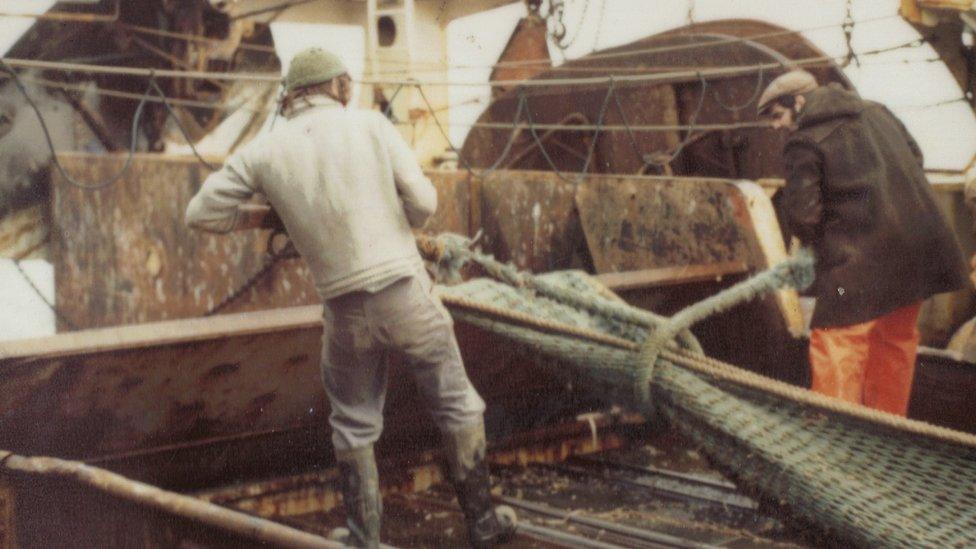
(652, 492)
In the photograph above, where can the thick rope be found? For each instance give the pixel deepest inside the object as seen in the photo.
(796, 273)
(450, 252)
(696, 360)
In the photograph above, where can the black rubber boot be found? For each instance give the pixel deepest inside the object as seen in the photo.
(360, 484)
(468, 473)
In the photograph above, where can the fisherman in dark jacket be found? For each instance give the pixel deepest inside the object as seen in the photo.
(857, 194)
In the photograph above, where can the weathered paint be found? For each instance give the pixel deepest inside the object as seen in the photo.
(528, 218)
(134, 398)
(634, 223)
(123, 254)
(528, 42)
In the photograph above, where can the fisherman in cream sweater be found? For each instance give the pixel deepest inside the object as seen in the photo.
(348, 189)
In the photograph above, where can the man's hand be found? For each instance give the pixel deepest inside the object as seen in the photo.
(257, 216)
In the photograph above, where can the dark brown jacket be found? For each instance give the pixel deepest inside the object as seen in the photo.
(856, 193)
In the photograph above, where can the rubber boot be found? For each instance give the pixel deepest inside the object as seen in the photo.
(468, 473)
(360, 484)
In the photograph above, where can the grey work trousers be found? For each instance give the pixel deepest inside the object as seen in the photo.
(361, 328)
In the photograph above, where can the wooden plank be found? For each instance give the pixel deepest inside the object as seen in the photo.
(668, 276)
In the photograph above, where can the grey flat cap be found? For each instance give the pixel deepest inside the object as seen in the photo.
(795, 82)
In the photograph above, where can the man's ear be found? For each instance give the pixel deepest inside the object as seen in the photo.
(799, 102)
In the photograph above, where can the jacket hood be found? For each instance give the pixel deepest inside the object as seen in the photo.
(827, 103)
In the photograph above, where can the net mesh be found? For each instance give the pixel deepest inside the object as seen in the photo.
(865, 482)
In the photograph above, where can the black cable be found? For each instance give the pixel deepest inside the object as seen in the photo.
(182, 128)
(4, 67)
(251, 281)
(134, 139)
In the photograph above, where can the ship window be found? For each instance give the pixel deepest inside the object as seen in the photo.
(386, 31)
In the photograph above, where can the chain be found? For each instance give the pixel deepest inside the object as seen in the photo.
(558, 10)
(554, 20)
(30, 282)
(599, 126)
(512, 138)
(274, 258)
(848, 28)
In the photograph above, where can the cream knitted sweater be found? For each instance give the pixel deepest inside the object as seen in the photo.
(346, 186)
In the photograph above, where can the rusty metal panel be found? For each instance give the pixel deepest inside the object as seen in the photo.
(640, 223)
(123, 255)
(528, 218)
(128, 395)
(529, 40)
(453, 202)
(100, 392)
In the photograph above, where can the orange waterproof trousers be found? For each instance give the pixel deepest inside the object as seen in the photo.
(872, 363)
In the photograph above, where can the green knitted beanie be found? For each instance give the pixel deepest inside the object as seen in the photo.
(313, 66)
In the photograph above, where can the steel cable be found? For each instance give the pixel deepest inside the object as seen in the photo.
(512, 137)
(538, 142)
(433, 114)
(599, 123)
(529, 62)
(692, 72)
(753, 97)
